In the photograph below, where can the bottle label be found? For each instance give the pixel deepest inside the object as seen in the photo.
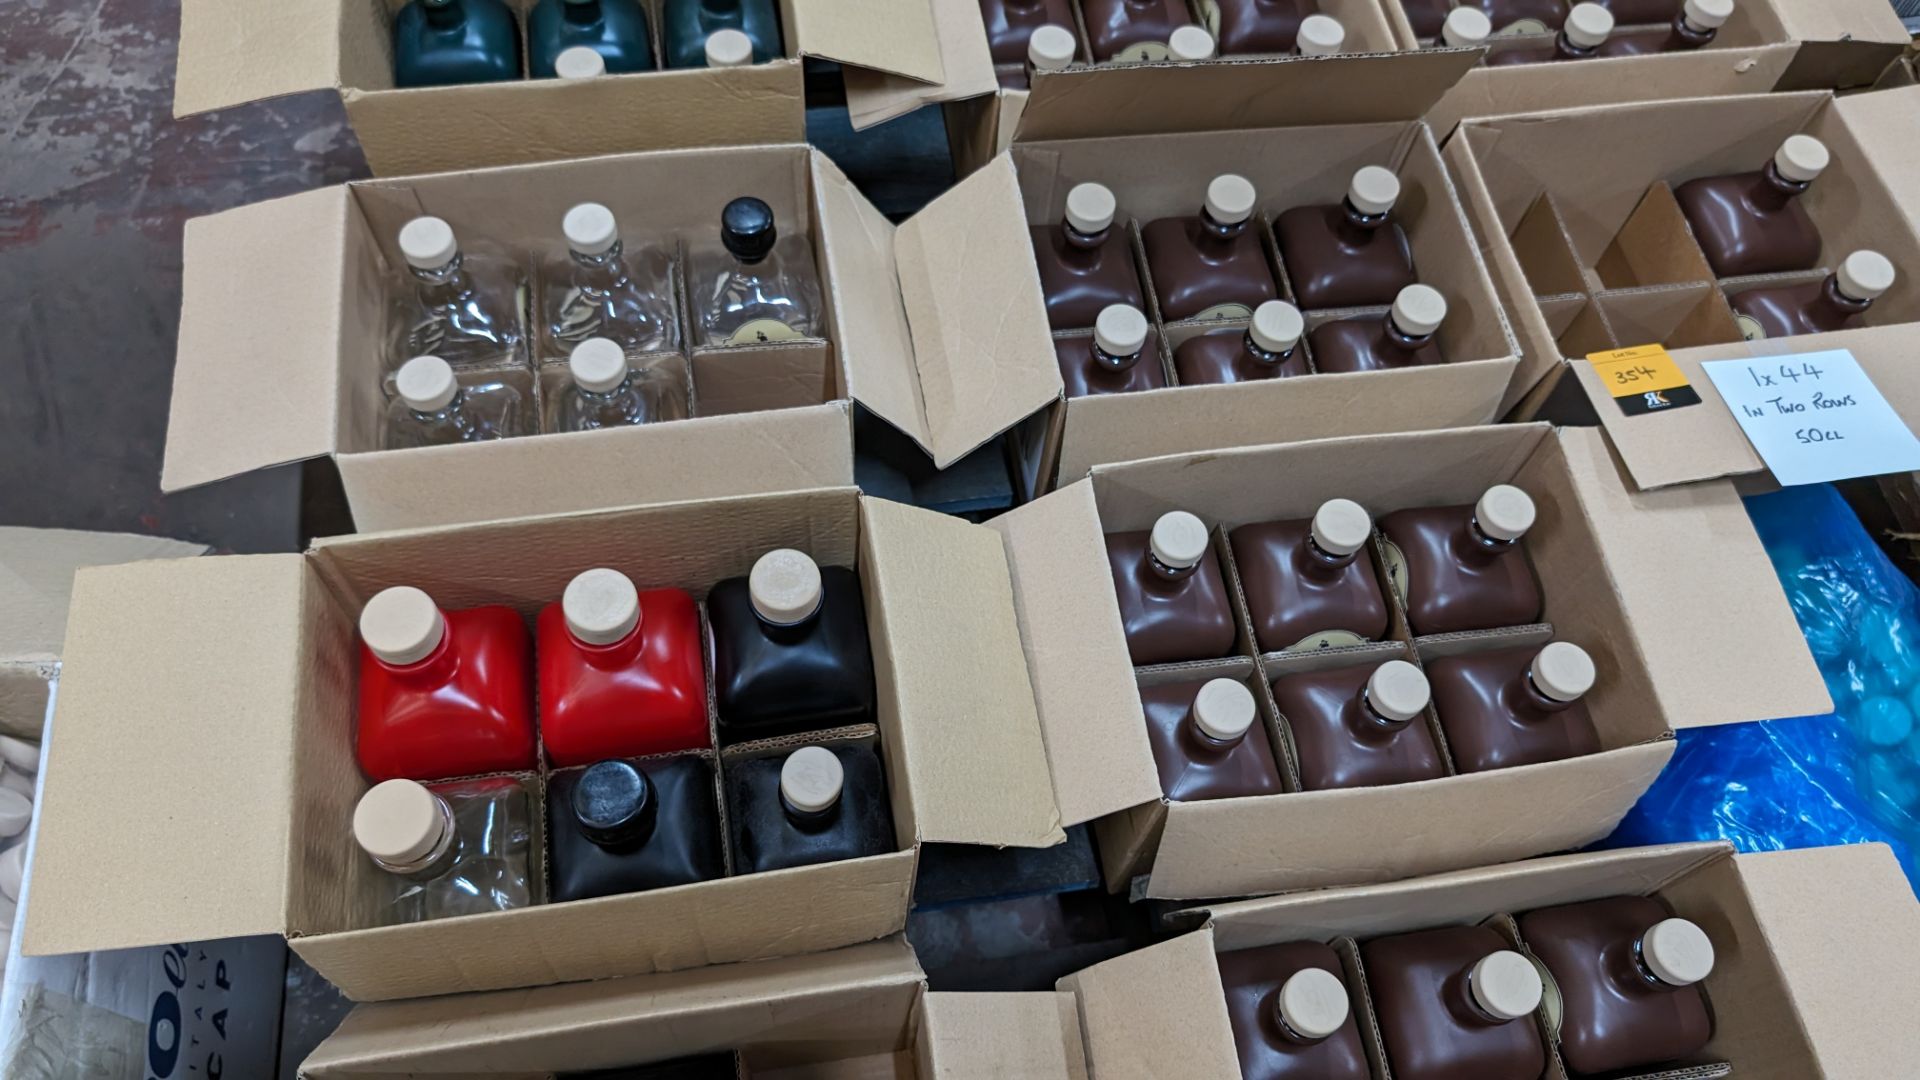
(1144, 52)
(1521, 26)
(1396, 564)
(761, 331)
(1750, 328)
(1226, 311)
(1326, 639)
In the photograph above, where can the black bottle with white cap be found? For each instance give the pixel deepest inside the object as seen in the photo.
(1456, 1003)
(816, 804)
(1121, 356)
(601, 289)
(1584, 36)
(459, 306)
(790, 648)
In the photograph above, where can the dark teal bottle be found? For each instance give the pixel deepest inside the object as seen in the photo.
(616, 29)
(446, 42)
(685, 25)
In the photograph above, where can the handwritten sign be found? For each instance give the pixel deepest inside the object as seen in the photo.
(1643, 379)
(1815, 417)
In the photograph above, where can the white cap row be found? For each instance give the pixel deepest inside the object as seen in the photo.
(725, 48)
(1230, 198)
(428, 384)
(1121, 329)
(1052, 47)
(1341, 526)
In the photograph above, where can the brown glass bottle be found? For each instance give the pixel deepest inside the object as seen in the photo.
(1010, 23)
(1464, 567)
(1310, 584)
(1261, 26)
(1269, 348)
(1641, 12)
(1816, 306)
(1426, 16)
(1121, 356)
(1586, 35)
(1441, 996)
(1618, 1012)
(1205, 742)
(1522, 16)
(1132, 29)
(1352, 254)
(1403, 337)
(1271, 1047)
(1173, 600)
(1754, 223)
(1694, 27)
(1085, 264)
(1514, 706)
(1211, 265)
(1359, 726)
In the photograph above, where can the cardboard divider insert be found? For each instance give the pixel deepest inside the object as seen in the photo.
(1677, 316)
(1562, 311)
(1653, 247)
(1546, 253)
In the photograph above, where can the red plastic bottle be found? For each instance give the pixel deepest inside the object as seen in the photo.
(620, 672)
(443, 694)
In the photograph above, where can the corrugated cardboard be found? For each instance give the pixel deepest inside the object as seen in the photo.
(244, 667)
(235, 51)
(1866, 198)
(1637, 579)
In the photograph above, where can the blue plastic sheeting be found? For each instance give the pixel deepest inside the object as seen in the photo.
(1848, 777)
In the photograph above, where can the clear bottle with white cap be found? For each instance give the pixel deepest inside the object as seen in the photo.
(1085, 264)
(1172, 596)
(1815, 307)
(1211, 265)
(1756, 222)
(1310, 583)
(1269, 348)
(1503, 708)
(608, 388)
(601, 289)
(616, 29)
(755, 285)
(1350, 254)
(814, 804)
(1120, 356)
(431, 406)
(463, 307)
(685, 26)
(1460, 1000)
(1461, 568)
(790, 648)
(1403, 337)
(459, 848)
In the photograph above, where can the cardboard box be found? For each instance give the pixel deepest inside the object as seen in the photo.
(1639, 580)
(236, 51)
(903, 336)
(1590, 259)
(861, 1012)
(1812, 979)
(244, 667)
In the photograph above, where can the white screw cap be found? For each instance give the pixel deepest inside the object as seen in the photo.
(20, 754)
(597, 365)
(1504, 512)
(1588, 25)
(1563, 671)
(579, 62)
(591, 228)
(402, 625)
(428, 243)
(729, 48)
(1090, 207)
(601, 606)
(1398, 691)
(426, 383)
(16, 813)
(1865, 275)
(811, 779)
(1179, 539)
(1419, 310)
(1707, 14)
(1120, 330)
(1277, 326)
(1313, 1002)
(398, 821)
(1341, 526)
(1230, 199)
(1678, 952)
(1190, 43)
(1373, 190)
(1506, 985)
(1320, 35)
(784, 586)
(13, 870)
(1223, 709)
(1051, 48)
(1466, 27)
(1801, 158)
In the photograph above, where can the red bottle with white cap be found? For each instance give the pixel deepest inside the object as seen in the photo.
(443, 693)
(621, 674)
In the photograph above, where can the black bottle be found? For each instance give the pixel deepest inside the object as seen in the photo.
(818, 804)
(617, 827)
(790, 650)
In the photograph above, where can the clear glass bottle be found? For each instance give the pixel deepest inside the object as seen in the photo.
(460, 307)
(608, 390)
(601, 290)
(757, 286)
(431, 408)
(460, 848)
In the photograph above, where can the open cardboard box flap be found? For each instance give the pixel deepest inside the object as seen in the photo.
(1031, 1035)
(1131, 1004)
(883, 89)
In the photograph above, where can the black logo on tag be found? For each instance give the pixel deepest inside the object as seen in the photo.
(1658, 400)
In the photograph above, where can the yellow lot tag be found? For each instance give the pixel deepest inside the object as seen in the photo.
(1643, 379)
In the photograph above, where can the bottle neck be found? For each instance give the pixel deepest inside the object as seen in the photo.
(1841, 306)
(1565, 49)
(810, 820)
(1688, 36)
(445, 14)
(1169, 573)
(1357, 226)
(453, 412)
(1216, 237)
(448, 273)
(792, 631)
(628, 836)
(1478, 540)
(1641, 973)
(1775, 191)
(1205, 743)
(1373, 718)
(1113, 362)
(1080, 241)
(1400, 339)
(721, 8)
(581, 12)
(436, 667)
(608, 396)
(1264, 357)
(616, 655)
(1479, 1011)
(1288, 1031)
(1531, 701)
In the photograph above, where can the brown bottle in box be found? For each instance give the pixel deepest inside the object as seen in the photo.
(1514, 706)
(1269, 348)
(1211, 266)
(1350, 255)
(1456, 1003)
(1132, 30)
(1522, 16)
(1403, 337)
(1085, 264)
(1173, 600)
(1010, 23)
(1427, 17)
(1641, 12)
(1204, 743)
(1817, 306)
(1310, 584)
(1292, 1014)
(1754, 223)
(1463, 28)
(1261, 26)
(1049, 48)
(1359, 726)
(1628, 976)
(1463, 567)
(1584, 37)
(1123, 355)
(1694, 27)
